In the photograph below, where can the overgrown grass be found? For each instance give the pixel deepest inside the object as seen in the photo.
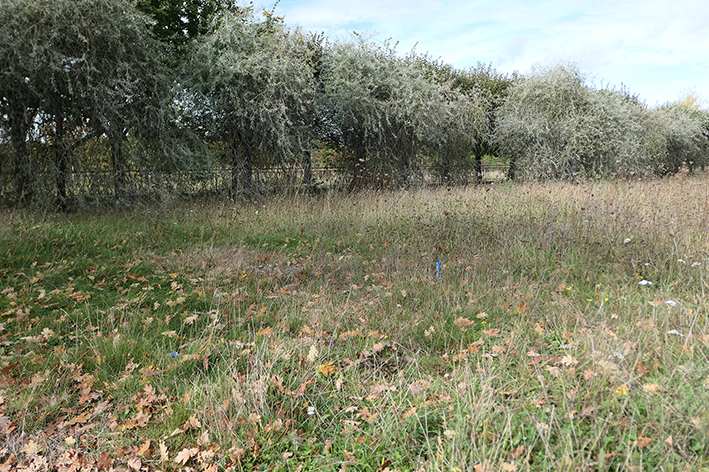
(314, 333)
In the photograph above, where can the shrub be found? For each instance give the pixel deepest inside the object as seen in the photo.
(554, 126)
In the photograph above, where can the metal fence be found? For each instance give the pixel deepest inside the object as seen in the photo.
(97, 186)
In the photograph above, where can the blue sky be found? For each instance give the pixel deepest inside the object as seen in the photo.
(658, 49)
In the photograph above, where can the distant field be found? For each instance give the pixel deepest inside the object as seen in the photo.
(567, 330)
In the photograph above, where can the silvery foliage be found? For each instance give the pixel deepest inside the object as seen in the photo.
(254, 82)
(84, 68)
(390, 117)
(679, 136)
(553, 125)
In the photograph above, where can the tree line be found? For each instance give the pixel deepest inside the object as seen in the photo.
(118, 85)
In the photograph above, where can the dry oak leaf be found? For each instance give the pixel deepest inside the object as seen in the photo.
(135, 463)
(553, 370)
(408, 413)
(312, 354)
(463, 323)
(642, 442)
(82, 418)
(185, 455)
(569, 360)
(491, 332)
(499, 349)
(651, 388)
(145, 447)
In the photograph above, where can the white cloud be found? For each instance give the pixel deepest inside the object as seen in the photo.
(658, 48)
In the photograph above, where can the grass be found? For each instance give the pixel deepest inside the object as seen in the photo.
(314, 333)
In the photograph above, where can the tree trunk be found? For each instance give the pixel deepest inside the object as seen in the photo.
(62, 161)
(512, 168)
(23, 172)
(119, 170)
(241, 173)
(358, 170)
(478, 169)
(307, 172)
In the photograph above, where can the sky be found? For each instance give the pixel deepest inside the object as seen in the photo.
(657, 49)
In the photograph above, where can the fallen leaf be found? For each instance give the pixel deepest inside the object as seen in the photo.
(135, 463)
(267, 331)
(408, 413)
(194, 422)
(145, 447)
(651, 388)
(164, 455)
(185, 455)
(463, 323)
(31, 448)
(517, 453)
(312, 354)
(554, 371)
(82, 418)
(327, 368)
(642, 442)
(569, 360)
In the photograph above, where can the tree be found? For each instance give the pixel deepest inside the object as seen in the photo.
(483, 85)
(682, 127)
(388, 115)
(254, 87)
(179, 22)
(552, 125)
(88, 67)
(19, 101)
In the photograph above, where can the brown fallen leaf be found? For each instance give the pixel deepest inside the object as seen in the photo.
(185, 455)
(82, 418)
(164, 455)
(642, 442)
(145, 448)
(569, 360)
(553, 370)
(135, 463)
(491, 332)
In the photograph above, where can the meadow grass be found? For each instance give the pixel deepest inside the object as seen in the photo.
(566, 330)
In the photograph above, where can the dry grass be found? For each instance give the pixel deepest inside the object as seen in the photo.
(313, 333)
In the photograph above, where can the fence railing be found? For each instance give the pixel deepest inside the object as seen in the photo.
(93, 186)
